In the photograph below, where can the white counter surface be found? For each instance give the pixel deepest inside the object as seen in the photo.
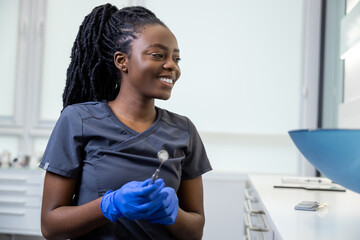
(339, 220)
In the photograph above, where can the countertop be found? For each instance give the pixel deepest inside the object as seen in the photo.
(339, 220)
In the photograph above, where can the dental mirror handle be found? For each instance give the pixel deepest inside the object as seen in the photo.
(162, 156)
(154, 176)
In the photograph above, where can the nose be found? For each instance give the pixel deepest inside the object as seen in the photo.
(171, 65)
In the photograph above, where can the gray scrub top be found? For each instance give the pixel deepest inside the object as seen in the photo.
(90, 143)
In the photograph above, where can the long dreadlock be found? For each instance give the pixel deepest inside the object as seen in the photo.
(92, 74)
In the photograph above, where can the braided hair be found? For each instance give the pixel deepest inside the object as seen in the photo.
(92, 74)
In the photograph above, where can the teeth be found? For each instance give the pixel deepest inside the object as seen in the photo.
(168, 80)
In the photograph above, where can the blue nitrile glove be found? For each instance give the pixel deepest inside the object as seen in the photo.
(134, 200)
(167, 212)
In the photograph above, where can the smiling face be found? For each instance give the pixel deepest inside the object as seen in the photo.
(151, 69)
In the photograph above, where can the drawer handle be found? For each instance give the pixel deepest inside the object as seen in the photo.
(252, 235)
(12, 178)
(253, 207)
(14, 213)
(250, 196)
(257, 222)
(12, 190)
(12, 202)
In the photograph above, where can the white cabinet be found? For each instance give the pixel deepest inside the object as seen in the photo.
(223, 204)
(256, 221)
(20, 201)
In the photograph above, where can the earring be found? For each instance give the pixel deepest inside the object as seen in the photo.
(124, 69)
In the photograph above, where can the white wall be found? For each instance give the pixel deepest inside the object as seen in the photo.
(241, 78)
(241, 64)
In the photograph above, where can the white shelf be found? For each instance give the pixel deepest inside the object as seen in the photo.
(20, 201)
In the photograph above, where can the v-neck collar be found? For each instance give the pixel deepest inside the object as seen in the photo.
(130, 130)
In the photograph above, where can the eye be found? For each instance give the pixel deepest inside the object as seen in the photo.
(177, 60)
(157, 55)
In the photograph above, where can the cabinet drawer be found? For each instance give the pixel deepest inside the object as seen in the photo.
(252, 206)
(21, 176)
(18, 189)
(258, 235)
(20, 201)
(18, 218)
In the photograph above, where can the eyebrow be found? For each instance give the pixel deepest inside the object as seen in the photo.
(159, 45)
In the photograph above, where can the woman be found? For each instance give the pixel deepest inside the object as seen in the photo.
(103, 148)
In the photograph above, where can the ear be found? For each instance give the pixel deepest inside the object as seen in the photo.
(121, 61)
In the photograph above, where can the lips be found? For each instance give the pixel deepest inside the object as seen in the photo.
(167, 80)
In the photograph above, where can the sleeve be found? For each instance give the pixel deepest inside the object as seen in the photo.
(64, 151)
(196, 161)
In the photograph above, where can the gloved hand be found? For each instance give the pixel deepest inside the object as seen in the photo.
(167, 212)
(134, 200)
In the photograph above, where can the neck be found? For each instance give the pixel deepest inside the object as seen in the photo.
(133, 110)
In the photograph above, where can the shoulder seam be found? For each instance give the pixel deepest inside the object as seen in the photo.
(179, 116)
(190, 133)
(82, 126)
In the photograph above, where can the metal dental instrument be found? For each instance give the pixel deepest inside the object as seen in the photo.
(162, 155)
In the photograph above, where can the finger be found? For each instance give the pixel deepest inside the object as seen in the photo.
(159, 190)
(147, 181)
(163, 210)
(150, 207)
(140, 198)
(152, 188)
(169, 216)
(160, 213)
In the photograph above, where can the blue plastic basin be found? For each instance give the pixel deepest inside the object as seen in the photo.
(334, 152)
